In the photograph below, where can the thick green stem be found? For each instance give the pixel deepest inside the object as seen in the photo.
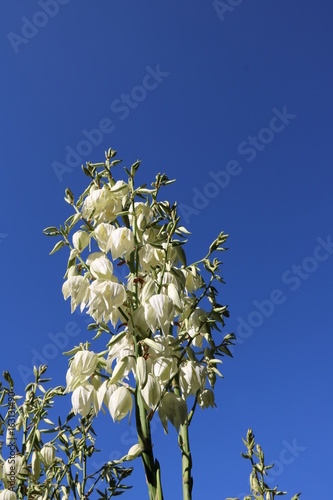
(151, 466)
(184, 445)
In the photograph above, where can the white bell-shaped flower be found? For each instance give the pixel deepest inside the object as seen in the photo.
(120, 347)
(82, 367)
(193, 279)
(151, 392)
(192, 377)
(142, 213)
(138, 322)
(100, 266)
(206, 398)
(80, 240)
(174, 409)
(165, 368)
(105, 296)
(161, 346)
(167, 279)
(104, 393)
(120, 403)
(148, 258)
(120, 190)
(195, 324)
(102, 235)
(171, 253)
(77, 288)
(159, 312)
(121, 243)
(148, 290)
(83, 398)
(104, 204)
(174, 296)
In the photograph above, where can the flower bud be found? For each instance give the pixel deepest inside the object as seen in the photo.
(48, 454)
(11, 468)
(8, 495)
(142, 214)
(65, 493)
(18, 423)
(141, 372)
(28, 395)
(254, 483)
(35, 465)
(10, 436)
(141, 222)
(134, 452)
(120, 371)
(28, 447)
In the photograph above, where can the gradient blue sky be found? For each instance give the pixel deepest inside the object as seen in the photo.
(207, 114)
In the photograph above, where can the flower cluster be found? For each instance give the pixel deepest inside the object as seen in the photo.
(161, 346)
(58, 468)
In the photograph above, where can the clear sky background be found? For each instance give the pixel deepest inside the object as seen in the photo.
(236, 104)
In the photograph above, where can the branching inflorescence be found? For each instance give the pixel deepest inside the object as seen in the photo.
(158, 322)
(162, 325)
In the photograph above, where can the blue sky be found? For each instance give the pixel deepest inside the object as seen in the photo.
(236, 104)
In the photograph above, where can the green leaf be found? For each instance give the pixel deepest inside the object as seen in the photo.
(225, 350)
(57, 247)
(51, 231)
(116, 338)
